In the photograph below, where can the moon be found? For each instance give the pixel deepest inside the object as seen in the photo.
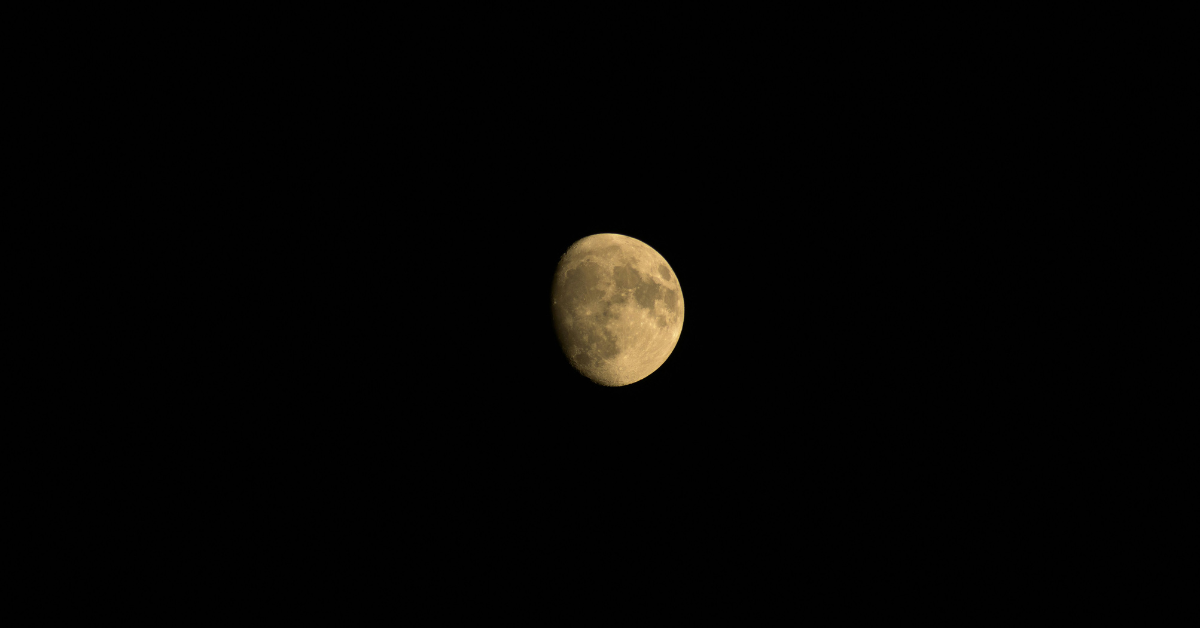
(617, 308)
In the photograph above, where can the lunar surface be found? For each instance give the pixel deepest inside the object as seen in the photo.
(617, 308)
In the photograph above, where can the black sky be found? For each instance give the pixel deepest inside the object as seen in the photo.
(848, 225)
(837, 218)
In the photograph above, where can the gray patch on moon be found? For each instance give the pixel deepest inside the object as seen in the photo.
(670, 299)
(646, 292)
(626, 277)
(664, 271)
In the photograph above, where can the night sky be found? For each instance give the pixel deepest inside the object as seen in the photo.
(848, 228)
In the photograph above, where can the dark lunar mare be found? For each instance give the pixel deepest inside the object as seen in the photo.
(626, 277)
(670, 299)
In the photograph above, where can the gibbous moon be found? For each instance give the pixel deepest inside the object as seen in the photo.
(617, 308)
